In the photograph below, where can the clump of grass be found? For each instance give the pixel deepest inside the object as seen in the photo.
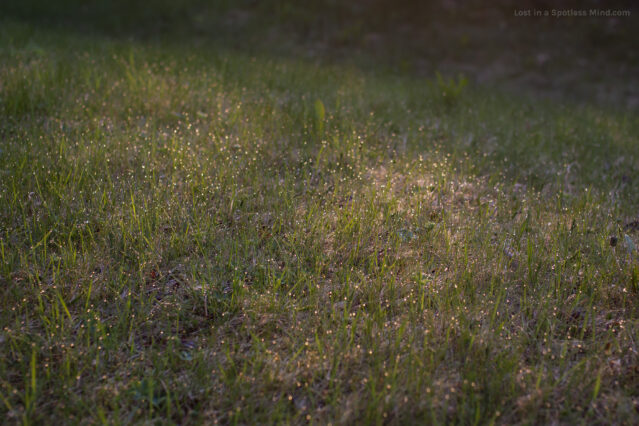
(28, 88)
(448, 91)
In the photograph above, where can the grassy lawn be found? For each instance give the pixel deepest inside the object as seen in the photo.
(194, 232)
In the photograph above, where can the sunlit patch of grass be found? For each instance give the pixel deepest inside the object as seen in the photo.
(186, 234)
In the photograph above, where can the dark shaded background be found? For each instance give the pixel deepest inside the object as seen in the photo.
(591, 59)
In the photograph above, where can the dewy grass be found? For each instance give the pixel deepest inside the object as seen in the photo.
(185, 237)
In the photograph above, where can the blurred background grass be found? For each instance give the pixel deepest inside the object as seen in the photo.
(590, 59)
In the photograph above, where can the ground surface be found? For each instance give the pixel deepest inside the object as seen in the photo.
(249, 223)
